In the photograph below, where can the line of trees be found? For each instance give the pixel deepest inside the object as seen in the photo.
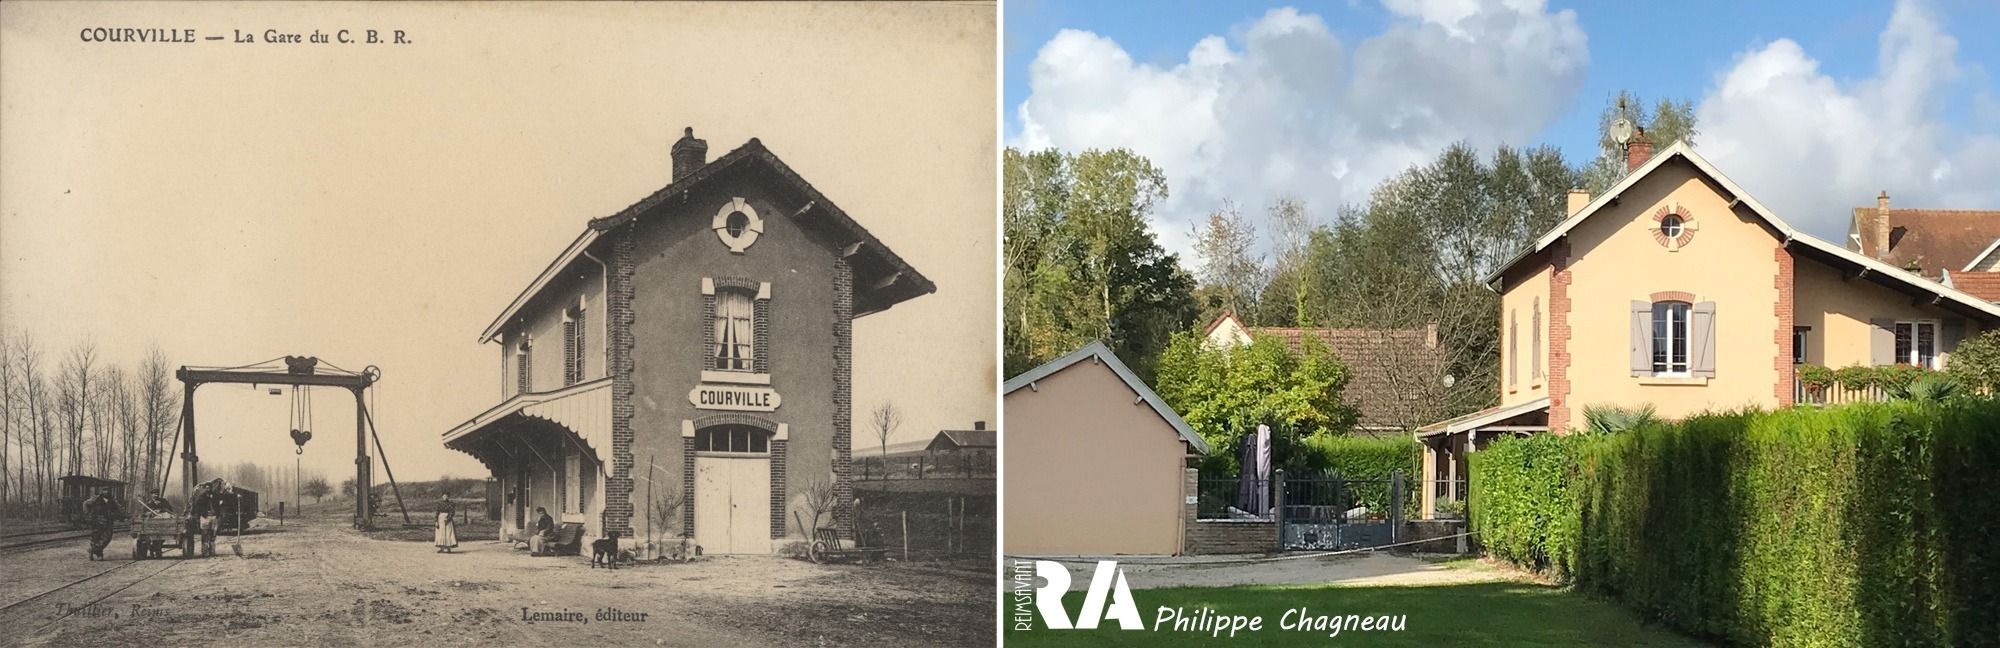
(71, 412)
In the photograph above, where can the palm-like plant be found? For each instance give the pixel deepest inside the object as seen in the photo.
(1610, 419)
(1931, 388)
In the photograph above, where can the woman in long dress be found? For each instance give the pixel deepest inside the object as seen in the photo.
(447, 527)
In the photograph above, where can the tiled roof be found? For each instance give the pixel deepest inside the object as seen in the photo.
(1385, 367)
(947, 439)
(1984, 285)
(1930, 239)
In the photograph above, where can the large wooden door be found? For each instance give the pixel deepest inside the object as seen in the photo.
(732, 504)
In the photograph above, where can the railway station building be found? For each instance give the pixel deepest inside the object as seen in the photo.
(694, 347)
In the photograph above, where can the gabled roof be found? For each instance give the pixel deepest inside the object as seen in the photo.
(881, 278)
(1101, 353)
(1984, 285)
(1820, 250)
(1983, 254)
(1381, 365)
(947, 439)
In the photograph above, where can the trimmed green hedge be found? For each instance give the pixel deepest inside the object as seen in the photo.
(1369, 458)
(1869, 524)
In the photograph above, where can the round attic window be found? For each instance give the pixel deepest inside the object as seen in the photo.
(737, 225)
(1674, 227)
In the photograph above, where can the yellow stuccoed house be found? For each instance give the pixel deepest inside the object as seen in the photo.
(1676, 288)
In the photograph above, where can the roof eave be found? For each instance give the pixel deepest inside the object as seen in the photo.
(1102, 353)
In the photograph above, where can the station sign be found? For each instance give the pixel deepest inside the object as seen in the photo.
(734, 398)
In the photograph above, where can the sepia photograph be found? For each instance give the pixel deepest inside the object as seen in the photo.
(513, 323)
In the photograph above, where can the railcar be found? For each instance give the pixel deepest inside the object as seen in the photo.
(76, 489)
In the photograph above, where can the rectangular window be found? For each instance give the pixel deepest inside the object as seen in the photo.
(521, 371)
(1799, 337)
(569, 352)
(735, 335)
(1670, 339)
(582, 334)
(1916, 344)
(1513, 352)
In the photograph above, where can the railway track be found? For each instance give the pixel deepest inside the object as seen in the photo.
(85, 593)
(35, 539)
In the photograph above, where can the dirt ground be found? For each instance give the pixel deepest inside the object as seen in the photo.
(324, 584)
(1362, 569)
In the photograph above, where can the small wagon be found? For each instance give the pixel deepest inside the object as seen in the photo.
(826, 546)
(153, 535)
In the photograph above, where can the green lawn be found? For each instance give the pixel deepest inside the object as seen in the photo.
(1481, 614)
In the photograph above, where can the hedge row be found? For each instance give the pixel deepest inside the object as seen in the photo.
(1369, 458)
(1870, 524)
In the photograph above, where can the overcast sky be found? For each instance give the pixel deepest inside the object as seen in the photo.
(379, 205)
(1813, 107)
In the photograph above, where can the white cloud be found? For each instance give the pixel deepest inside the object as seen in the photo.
(1285, 108)
(1812, 148)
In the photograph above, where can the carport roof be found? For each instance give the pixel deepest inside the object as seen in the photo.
(1101, 353)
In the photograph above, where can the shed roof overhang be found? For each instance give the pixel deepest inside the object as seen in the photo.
(582, 410)
(1492, 416)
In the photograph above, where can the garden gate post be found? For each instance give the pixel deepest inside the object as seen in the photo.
(1395, 505)
(1278, 514)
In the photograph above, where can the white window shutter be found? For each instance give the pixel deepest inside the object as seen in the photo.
(1642, 338)
(1701, 337)
(1882, 341)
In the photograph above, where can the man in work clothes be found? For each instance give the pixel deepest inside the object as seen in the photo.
(207, 510)
(100, 511)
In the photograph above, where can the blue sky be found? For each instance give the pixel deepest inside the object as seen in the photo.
(1676, 49)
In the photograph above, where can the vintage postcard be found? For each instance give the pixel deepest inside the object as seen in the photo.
(453, 324)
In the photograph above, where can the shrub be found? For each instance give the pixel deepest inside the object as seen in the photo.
(1866, 524)
(1976, 362)
(1367, 458)
(1611, 419)
(1815, 377)
(1855, 376)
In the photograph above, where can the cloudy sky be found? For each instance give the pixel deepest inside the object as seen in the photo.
(1813, 107)
(380, 205)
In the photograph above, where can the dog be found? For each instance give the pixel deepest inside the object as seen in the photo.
(605, 550)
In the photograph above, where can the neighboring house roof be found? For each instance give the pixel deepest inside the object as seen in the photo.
(881, 278)
(864, 448)
(1381, 365)
(1854, 263)
(1983, 257)
(1929, 239)
(953, 439)
(1984, 285)
(1103, 354)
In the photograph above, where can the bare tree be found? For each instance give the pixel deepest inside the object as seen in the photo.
(79, 378)
(38, 415)
(103, 431)
(160, 411)
(885, 419)
(9, 386)
(819, 501)
(1229, 267)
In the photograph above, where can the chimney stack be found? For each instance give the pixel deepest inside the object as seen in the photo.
(689, 154)
(1638, 151)
(978, 425)
(1882, 225)
(1578, 198)
(1431, 335)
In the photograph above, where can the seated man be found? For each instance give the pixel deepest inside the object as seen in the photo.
(544, 532)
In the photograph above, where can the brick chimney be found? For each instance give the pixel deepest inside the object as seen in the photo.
(1431, 336)
(1882, 225)
(1638, 151)
(978, 425)
(689, 154)
(1578, 199)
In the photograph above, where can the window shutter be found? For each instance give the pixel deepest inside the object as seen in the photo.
(1701, 337)
(1642, 338)
(1950, 333)
(1513, 352)
(1882, 341)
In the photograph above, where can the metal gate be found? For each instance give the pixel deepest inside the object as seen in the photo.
(1333, 513)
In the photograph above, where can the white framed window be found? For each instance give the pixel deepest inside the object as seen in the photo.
(1917, 343)
(1801, 335)
(1535, 331)
(1513, 351)
(1670, 338)
(1671, 226)
(574, 337)
(733, 438)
